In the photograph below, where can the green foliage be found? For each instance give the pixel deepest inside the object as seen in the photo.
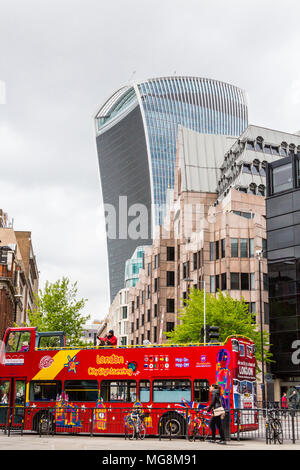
(230, 315)
(57, 309)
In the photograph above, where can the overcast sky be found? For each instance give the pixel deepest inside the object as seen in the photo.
(60, 59)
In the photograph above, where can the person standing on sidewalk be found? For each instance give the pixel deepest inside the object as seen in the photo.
(216, 420)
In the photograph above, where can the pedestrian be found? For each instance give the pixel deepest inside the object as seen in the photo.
(293, 402)
(218, 414)
(284, 403)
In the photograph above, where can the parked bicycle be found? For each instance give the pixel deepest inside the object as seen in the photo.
(135, 425)
(199, 426)
(274, 432)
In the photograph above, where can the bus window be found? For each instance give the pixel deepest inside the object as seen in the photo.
(18, 341)
(242, 350)
(119, 391)
(81, 390)
(201, 391)
(44, 390)
(235, 345)
(171, 391)
(144, 391)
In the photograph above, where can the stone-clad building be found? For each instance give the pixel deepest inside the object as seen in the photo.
(18, 275)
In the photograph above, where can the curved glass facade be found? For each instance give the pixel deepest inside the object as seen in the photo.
(203, 105)
(133, 266)
(155, 108)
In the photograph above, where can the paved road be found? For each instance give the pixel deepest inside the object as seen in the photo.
(35, 442)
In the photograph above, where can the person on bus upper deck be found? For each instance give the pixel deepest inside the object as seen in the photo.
(216, 421)
(25, 346)
(108, 340)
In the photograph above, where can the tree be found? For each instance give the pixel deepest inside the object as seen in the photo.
(57, 309)
(230, 315)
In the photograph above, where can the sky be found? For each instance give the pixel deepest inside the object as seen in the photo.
(61, 59)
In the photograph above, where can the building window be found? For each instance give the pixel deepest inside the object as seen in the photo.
(217, 282)
(223, 250)
(251, 247)
(137, 302)
(265, 281)
(234, 248)
(264, 248)
(148, 314)
(252, 281)
(155, 334)
(244, 247)
(156, 284)
(156, 261)
(137, 323)
(212, 284)
(143, 320)
(211, 251)
(185, 270)
(170, 253)
(250, 145)
(235, 281)
(170, 278)
(170, 326)
(223, 281)
(148, 292)
(170, 305)
(217, 247)
(124, 312)
(195, 261)
(155, 310)
(149, 269)
(282, 178)
(244, 281)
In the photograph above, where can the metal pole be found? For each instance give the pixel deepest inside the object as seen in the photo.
(261, 335)
(204, 323)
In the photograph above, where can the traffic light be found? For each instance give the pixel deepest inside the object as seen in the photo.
(212, 334)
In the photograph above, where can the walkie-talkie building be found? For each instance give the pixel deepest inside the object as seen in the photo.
(136, 132)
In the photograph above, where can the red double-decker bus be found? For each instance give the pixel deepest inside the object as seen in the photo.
(94, 388)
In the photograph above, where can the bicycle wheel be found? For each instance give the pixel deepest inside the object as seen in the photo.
(278, 434)
(203, 432)
(142, 431)
(132, 432)
(191, 432)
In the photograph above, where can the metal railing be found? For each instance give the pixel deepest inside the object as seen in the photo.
(163, 423)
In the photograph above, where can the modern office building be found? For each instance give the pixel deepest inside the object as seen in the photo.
(133, 266)
(283, 233)
(136, 134)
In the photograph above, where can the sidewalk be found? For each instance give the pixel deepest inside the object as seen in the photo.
(35, 442)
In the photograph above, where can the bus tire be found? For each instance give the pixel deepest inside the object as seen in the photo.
(43, 423)
(172, 424)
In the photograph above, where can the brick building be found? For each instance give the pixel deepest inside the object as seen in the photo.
(18, 275)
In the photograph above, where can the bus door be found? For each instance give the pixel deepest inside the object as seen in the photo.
(17, 402)
(5, 389)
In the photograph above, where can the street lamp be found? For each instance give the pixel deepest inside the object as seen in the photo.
(259, 255)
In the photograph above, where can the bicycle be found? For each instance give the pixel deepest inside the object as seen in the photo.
(199, 426)
(274, 431)
(136, 423)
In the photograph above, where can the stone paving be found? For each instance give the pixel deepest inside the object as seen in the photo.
(35, 442)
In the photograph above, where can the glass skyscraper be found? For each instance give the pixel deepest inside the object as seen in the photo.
(136, 132)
